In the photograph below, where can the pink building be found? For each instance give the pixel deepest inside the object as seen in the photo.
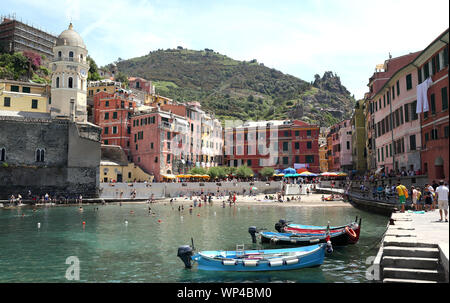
(397, 127)
(341, 149)
(156, 140)
(141, 84)
(377, 83)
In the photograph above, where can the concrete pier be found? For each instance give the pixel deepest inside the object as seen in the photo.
(415, 249)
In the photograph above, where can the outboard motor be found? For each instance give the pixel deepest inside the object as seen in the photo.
(252, 232)
(185, 253)
(280, 225)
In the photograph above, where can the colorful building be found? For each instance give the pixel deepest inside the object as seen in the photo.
(141, 84)
(341, 151)
(114, 167)
(277, 144)
(377, 108)
(323, 158)
(112, 112)
(433, 62)
(24, 96)
(157, 142)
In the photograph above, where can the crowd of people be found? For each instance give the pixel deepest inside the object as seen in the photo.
(427, 198)
(44, 198)
(385, 175)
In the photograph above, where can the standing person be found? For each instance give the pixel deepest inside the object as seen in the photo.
(433, 196)
(81, 199)
(415, 196)
(428, 199)
(234, 199)
(435, 185)
(442, 197)
(402, 195)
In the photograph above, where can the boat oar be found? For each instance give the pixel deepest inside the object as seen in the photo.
(192, 241)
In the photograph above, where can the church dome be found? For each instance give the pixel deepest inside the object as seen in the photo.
(70, 37)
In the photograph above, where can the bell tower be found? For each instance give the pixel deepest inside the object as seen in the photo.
(69, 77)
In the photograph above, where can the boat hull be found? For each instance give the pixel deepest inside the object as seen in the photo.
(311, 256)
(339, 237)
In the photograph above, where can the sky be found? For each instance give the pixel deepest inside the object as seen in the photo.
(300, 37)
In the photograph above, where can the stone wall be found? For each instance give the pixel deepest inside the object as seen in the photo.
(162, 190)
(71, 162)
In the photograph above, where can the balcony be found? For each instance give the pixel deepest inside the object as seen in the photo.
(165, 125)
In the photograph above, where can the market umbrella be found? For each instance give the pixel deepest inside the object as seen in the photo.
(308, 174)
(289, 170)
(301, 170)
(342, 174)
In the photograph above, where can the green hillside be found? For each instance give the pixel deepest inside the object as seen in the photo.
(246, 90)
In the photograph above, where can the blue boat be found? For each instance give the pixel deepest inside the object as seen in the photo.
(254, 260)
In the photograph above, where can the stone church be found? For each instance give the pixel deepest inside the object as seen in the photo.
(56, 152)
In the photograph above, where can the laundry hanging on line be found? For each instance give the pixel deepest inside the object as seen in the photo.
(422, 100)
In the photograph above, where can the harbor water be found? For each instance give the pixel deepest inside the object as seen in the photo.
(127, 244)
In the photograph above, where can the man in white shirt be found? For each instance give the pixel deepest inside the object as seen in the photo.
(442, 197)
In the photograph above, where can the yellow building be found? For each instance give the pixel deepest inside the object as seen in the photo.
(155, 100)
(114, 166)
(113, 171)
(24, 96)
(323, 161)
(107, 85)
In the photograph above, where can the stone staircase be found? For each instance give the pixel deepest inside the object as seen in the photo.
(405, 260)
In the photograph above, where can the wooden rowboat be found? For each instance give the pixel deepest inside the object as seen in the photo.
(254, 260)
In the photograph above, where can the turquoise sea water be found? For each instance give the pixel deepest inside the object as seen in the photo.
(144, 250)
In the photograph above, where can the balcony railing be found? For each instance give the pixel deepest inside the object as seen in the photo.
(68, 59)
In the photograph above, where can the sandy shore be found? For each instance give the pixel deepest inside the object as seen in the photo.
(310, 200)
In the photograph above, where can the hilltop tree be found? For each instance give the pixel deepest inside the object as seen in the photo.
(93, 74)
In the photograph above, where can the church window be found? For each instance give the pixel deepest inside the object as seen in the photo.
(57, 82)
(71, 56)
(40, 155)
(2, 154)
(70, 82)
